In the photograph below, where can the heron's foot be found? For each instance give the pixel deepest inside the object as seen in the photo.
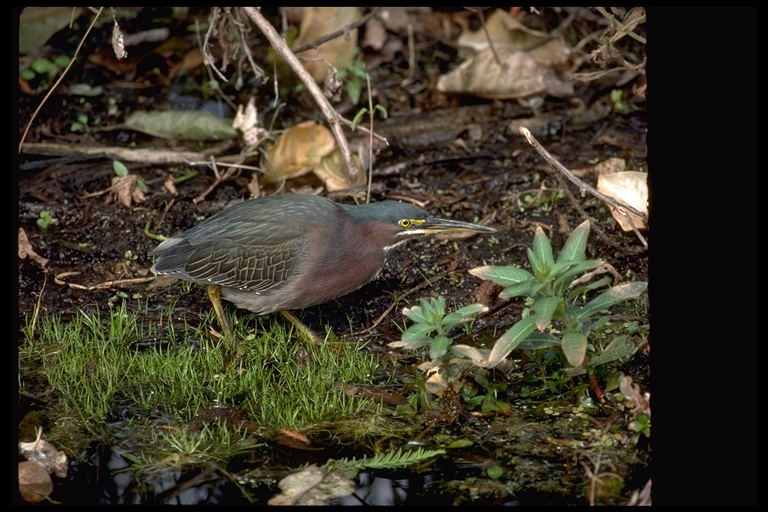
(306, 332)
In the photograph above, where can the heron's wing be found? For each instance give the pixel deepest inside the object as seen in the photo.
(249, 246)
(245, 267)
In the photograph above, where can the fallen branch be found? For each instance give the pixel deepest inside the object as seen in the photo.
(330, 114)
(146, 156)
(220, 178)
(333, 35)
(59, 279)
(612, 203)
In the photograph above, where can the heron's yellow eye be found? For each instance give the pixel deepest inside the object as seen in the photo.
(405, 223)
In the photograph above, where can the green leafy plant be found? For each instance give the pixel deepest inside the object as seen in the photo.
(543, 200)
(354, 74)
(45, 220)
(121, 171)
(553, 292)
(400, 458)
(620, 102)
(355, 90)
(489, 401)
(43, 70)
(431, 329)
(80, 125)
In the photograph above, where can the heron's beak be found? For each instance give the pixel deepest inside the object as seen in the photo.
(438, 225)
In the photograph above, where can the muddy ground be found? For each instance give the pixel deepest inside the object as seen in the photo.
(456, 155)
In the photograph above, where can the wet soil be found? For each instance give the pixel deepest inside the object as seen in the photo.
(458, 157)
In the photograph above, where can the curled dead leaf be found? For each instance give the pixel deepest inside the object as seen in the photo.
(47, 455)
(334, 173)
(519, 75)
(630, 187)
(317, 22)
(298, 151)
(35, 483)
(503, 29)
(312, 486)
(25, 249)
(125, 190)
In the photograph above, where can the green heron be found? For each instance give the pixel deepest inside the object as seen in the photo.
(292, 251)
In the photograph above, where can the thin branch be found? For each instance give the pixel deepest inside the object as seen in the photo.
(331, 115)
(355, 127)
(143, 155)
(61, 77)
(613, 203)
(105, 285)
(416, 288)
(479, 11)
(576, 204)
(333, 35)
(220, 178)
(633, 19)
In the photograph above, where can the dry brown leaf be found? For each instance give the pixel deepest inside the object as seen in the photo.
(630, 187)
(436, 384)
(38, 24)
(520, 75)
(170, 186)
(298, 151)
(375, 34)
(397, 19)
(34, 481)
(312, 486)
(335, 174)
(125, 190)
(317, 22)
(607, 166)
(26, 250)
(506, 30)
(41, 451)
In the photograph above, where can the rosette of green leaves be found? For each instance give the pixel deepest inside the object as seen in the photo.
(432, 327)
(552, 290)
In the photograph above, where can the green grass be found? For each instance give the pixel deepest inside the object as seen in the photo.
(178, 449)
(125, 365)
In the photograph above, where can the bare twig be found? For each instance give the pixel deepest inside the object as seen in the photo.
(416, 288)
(626, 28)
(363, 129)
(61, 77)
(576, 204)
(411, 53)
(208, 59)
(59, 279)
(331, 115)
(146, 156)
(612, 203)
(220, 178)
(333, 35)
(479, 11)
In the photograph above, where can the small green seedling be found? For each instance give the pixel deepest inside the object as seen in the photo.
(45, 220)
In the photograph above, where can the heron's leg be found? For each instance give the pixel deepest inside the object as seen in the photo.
(303, 329)
(214, 293)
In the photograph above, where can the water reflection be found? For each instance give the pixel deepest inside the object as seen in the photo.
(377, 491)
